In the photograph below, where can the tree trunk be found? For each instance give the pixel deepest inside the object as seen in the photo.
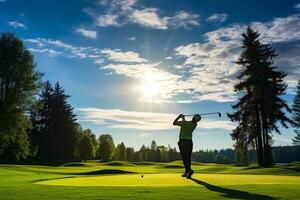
(260, 159)
(265, 142)
(267, 150)
(257, 150)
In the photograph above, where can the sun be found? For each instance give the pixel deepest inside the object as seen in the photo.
(150, 89)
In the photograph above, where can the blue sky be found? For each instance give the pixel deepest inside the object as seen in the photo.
(131, 66)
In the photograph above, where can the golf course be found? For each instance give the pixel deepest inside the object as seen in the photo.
(149, 100)
(147, 180)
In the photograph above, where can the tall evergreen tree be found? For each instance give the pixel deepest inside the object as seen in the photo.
(143, 153)
(129, 153)
(152, 153)
(260, 107)
(63, 127)
(54, 126)
(121, 153)
(296, 115)
(19, 82)
(41, 117)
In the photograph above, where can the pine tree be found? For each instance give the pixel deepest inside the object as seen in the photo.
(129, 153)
(152, 153)
(260, 106)
(41, 117)
(143, 153)
(121, 153)
(64, 126)
(296, 115)
(54, 127)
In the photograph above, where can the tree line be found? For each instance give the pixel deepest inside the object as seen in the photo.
(107, 151)
(280, 154)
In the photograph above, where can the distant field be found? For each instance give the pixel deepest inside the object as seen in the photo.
(123, 180)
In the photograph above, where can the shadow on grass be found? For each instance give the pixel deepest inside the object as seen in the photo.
(105, 171)
(173, 166)
(230, 193)
(49, 179)
(97, 172)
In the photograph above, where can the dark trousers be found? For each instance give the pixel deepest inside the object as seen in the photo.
(186, 148)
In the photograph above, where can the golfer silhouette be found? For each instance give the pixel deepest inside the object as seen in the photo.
(185, 142)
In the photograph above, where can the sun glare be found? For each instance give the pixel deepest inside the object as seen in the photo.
(150, 89)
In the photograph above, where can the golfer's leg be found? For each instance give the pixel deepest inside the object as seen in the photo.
(189, 150)
(182, 153)
(185, 155)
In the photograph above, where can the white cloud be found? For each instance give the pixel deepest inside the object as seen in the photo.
(119, 56)
(119, 5)
(93, 56)
(169, 58)
(65, 49)
(35, 41)
(115, 10)
(148, 17)
(50, 52)
(121, 12)
(211, 70)
(99, 61)
(284, 29)
(17, 24)
(131, 38)
(107, 20)
(87, 33)
(297, 6)
(218, 17)
(146, 121)
(183, 19)
(185, 101)
(143, 135)
(282, 140)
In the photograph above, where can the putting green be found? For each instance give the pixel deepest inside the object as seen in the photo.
(159, 180)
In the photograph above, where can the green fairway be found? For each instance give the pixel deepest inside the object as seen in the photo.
(172, 180)
(122, 180)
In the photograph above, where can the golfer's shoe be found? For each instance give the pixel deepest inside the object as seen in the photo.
(184, 174)
(189, 175)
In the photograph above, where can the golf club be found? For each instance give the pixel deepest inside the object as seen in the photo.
(210, 113)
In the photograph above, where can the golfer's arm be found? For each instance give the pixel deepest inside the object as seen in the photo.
(183, 118)
(176, 120)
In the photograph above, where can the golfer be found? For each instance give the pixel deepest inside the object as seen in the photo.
(185, 141)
